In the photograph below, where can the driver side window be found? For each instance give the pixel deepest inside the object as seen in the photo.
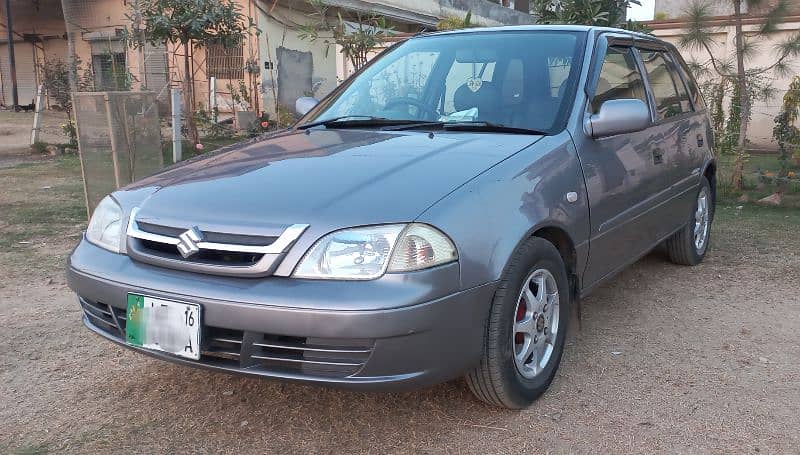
(619, 78)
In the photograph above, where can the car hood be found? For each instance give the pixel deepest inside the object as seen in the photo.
(331, 178)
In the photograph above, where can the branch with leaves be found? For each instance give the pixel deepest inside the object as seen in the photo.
(456, 23)
(356, 42)
(605, 13)
(192, 24)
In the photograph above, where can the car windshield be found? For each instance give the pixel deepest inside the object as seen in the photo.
(520, 79)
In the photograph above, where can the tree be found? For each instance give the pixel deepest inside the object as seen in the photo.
(606, 13)
(193, 24)
(356, 41)
(746, 83)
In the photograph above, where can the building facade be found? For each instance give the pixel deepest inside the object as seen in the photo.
(268, 69)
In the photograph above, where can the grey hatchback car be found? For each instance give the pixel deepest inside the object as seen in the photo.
(438, 215)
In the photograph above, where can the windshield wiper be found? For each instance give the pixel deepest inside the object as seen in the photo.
(342, 119)
(346, 121)
(471, 125)
(489, 126)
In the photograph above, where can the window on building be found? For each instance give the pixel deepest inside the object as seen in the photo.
(619, 78)
(668, 89)
(109, 65)
(225, 62)
(110, 71)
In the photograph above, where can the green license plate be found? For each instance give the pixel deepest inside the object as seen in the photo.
(163, 325)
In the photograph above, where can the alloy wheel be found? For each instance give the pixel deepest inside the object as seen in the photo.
(701, 221)
(535, 323)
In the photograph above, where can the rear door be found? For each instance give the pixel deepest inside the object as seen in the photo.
(678, 132)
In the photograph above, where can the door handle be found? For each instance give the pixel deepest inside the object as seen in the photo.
(700, 140)
(658, 156)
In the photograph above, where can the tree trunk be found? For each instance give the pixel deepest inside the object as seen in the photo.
(737, 177)
(188, 95)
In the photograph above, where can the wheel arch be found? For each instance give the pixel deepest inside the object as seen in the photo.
(710, 173)
(558, 236)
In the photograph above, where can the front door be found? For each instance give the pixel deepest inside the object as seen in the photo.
(621, 174)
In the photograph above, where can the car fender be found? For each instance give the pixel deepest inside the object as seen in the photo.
(488, 217)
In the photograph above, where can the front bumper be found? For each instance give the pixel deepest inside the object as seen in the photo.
(397, 332)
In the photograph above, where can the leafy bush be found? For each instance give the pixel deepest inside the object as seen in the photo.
(785, 132)
(55, 79)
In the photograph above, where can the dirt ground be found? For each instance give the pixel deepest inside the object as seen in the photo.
(669, 359)
(15, 135)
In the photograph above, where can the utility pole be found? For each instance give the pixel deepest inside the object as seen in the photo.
(12, 62)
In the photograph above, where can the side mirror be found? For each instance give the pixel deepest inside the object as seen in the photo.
(618, 117)
(305, 104)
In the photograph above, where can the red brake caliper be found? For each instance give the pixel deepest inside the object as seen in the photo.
(519, 338)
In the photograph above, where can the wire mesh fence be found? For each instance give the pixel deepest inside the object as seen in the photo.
(120, 140)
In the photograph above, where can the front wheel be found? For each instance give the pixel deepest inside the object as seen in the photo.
(527, 326)
(689, 245)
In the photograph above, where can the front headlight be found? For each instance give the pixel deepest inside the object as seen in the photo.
(105, 227)
(367, 253)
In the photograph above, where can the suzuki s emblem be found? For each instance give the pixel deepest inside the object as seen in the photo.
(187, 244)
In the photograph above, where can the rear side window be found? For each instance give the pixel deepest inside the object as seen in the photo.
(619, 78)
(668, 89)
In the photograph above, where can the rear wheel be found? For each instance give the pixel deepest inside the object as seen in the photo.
(526, 329)
(689, 245)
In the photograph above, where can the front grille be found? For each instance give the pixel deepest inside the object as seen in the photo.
(254, 351)
(217, 237)
(220, 253)
(208, 257)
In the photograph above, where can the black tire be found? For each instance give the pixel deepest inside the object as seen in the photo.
(497, 380)
(681, 247)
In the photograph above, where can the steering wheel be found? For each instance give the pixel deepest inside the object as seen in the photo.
(406, 101)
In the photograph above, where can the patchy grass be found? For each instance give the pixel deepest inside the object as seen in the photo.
(42, 213)
(751, 228)
(760, 180)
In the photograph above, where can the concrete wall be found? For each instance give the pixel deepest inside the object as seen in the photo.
(485, 12)
(677, 8)
(280, 29)
(764, 112)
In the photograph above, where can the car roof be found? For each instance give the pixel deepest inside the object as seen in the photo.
(544, 27)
